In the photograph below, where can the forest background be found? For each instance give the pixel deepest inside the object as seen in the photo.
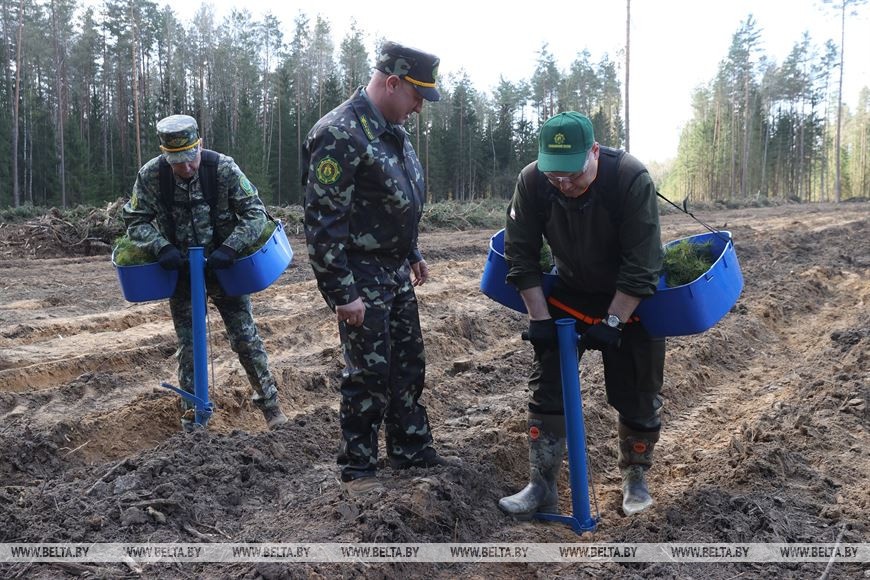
(85, 84)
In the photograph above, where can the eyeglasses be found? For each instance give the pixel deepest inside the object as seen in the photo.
(559, 180)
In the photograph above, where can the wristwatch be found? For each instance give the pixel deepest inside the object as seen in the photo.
(613, 321)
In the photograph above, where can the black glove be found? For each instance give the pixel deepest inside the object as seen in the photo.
(169, 258)
(542, 333)
(222, 258)
(601, 337)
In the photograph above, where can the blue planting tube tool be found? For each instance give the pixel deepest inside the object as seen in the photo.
(581, 520)
(204, 407)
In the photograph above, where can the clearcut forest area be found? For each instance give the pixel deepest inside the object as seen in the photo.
(765, 423)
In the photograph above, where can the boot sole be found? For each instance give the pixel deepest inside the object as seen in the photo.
(527, 516)
(275, 423)
(630, 510)
(356, 492)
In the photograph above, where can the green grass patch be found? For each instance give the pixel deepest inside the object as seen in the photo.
(291, 215)
(684, 262)
(21, 213)
(468, 215)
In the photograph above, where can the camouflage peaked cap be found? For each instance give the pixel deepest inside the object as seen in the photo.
(417, 67)
(179, 138)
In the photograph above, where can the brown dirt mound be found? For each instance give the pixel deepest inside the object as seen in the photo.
(765, 432)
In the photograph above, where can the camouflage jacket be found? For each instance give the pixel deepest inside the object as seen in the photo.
(608, 239)
(363, 197)
(239, 216)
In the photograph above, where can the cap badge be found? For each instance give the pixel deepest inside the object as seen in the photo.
(559, 142)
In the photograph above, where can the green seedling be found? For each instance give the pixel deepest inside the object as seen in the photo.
(258, 243)
(546, 258)
(129, 254)
(684, 262)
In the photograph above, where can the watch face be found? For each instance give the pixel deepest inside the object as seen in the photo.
(612, 320)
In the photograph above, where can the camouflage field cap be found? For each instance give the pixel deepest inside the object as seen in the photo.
(179, 138)
(417, 67)
(564, 142)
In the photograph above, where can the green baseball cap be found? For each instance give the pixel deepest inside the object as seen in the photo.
(564, 142)
(415, 66)
(179, 138)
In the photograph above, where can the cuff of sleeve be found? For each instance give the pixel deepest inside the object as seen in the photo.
(526, 281)
(231, 243)
(415, 256)
(637, 291)
(344, 295)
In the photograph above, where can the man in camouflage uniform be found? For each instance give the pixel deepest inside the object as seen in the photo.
(363, 202)
(168, 230)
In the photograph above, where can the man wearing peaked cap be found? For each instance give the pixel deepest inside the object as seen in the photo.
(364, 194)
(564, 143)
(597, 209)
(179, 138)
(193, 197)
(417, 67)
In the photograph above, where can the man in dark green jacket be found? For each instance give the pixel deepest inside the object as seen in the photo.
(597, 209)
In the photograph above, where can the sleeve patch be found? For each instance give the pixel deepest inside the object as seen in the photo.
(247, 186)
(328, 171)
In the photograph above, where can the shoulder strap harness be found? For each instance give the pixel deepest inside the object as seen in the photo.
(208, 166)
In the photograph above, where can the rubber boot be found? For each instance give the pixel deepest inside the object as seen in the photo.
(546, 447)
(635, 458)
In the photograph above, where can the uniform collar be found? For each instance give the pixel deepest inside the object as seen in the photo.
(372, 120)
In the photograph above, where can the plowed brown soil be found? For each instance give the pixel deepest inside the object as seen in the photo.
(765, 424)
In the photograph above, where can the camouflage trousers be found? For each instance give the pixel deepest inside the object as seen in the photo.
(383, 379)
(244, 340)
